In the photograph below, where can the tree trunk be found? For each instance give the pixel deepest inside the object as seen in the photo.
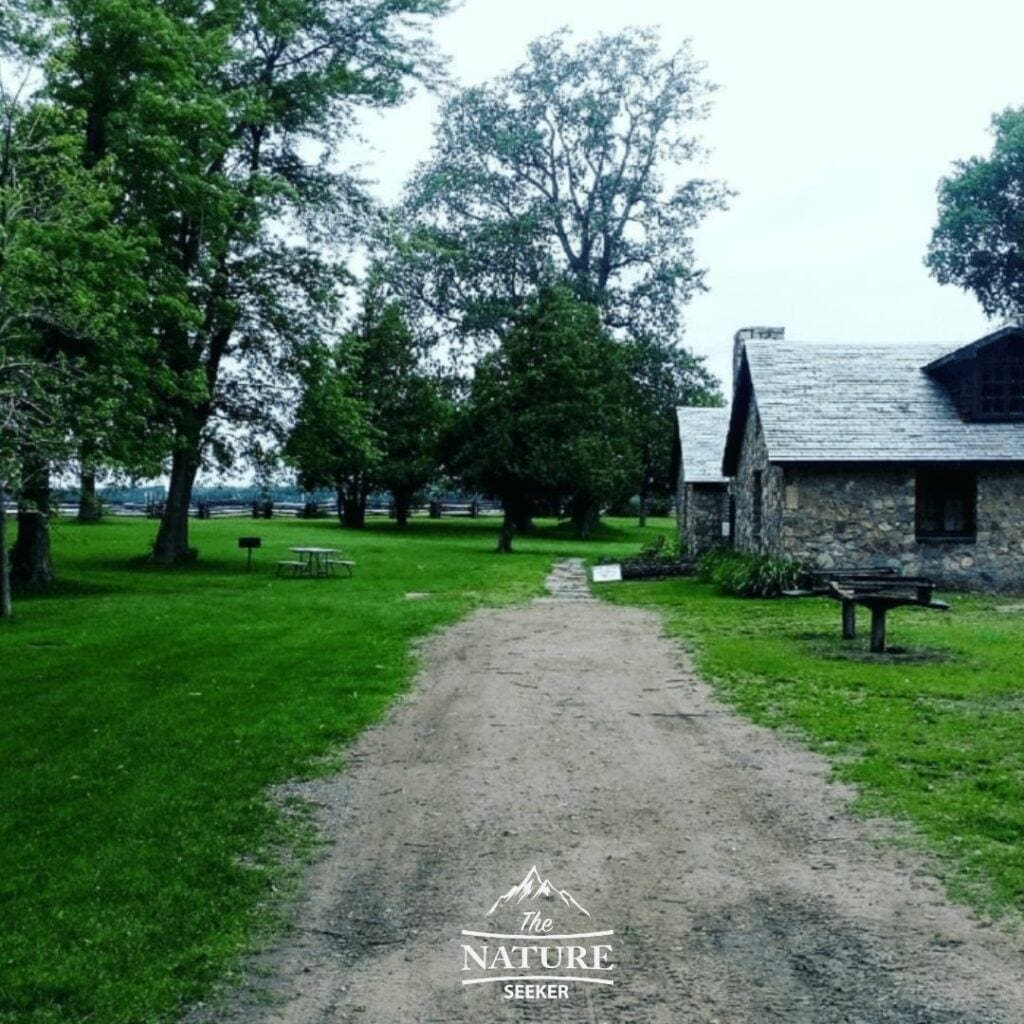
(517, 511)
(171, 545)
(89, 508)
(403, 502)
(508, 531)
(584, 518)
(642, 511)
(30, 556)
(352, 506)
(5, 569)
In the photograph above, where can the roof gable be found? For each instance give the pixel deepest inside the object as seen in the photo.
(700, 435)
(949, 361)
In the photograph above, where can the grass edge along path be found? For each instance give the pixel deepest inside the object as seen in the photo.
(147, 712)
(930, 736)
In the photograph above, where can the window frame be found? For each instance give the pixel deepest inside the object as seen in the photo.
(1008, 375)
(950, 479)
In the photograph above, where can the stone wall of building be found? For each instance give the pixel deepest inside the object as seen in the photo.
(705, 507)
(765, 537)
(846, 516)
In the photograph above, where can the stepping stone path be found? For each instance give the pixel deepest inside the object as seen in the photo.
(567, 581)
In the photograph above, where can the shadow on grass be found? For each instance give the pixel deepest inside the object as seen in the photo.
(484, 531)
(62, 588)
(857, 651)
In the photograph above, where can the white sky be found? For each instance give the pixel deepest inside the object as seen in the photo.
(833, 121)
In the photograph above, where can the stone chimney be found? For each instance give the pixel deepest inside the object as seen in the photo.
(745, 334)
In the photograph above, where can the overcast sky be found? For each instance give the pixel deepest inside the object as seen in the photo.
(834, 123)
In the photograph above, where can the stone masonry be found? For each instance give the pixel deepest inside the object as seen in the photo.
(843, 516)
(703, 509)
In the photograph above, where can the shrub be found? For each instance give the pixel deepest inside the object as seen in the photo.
(747, 575)
(660, 550)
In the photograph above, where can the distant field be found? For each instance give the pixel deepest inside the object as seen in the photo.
(146, 712)
(934, 736)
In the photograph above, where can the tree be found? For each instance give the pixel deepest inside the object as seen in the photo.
(331, 442)
(223, 119)
(28, 395)
(566, 168)
(978, 242)
(548, 416)
(664, 376)
(67, 278)
(371, 417)
(407, 406)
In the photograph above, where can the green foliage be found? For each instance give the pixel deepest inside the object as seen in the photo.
(68, 278)
(548, 412)
(371, 417)
(222, 122)
(931, 738)
(748, 575)
(146, 715)
(978, 242)
(664, 377)
(332, 440)
(567, 168)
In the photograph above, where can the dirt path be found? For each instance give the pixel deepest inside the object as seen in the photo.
(571, 735)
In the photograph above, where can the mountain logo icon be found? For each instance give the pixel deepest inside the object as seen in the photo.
(532, 887)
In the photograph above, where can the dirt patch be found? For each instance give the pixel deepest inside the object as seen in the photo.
(572, 735)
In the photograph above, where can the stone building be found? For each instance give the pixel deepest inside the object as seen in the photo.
(702, 495)
(910, 456)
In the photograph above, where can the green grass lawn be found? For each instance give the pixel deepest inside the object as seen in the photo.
(146, 711)
(933, 736)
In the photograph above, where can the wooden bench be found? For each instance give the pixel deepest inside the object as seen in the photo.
(332, 562)
(297, 568)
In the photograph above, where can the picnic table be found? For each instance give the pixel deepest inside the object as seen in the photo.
(315, 562)
(883, 593)
(877, 589)
(820, 580)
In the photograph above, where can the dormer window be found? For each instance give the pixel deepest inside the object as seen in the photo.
(986, 378)
(999, 391)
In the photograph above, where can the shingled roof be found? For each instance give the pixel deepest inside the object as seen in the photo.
(859, 403)
(702, 433)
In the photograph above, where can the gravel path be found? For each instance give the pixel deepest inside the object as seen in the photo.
(571, 735)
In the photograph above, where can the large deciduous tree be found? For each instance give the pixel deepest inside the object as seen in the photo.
(978, 242)
(549, 415)
(67, 277)
(573, 168)
(570, 167)
(224, 118)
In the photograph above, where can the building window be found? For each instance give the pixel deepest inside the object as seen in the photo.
(947, 504)
(757, 507)
(1000, 391)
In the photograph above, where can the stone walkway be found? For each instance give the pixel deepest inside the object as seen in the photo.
(567, 581)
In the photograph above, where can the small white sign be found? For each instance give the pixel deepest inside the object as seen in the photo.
(607, 574)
